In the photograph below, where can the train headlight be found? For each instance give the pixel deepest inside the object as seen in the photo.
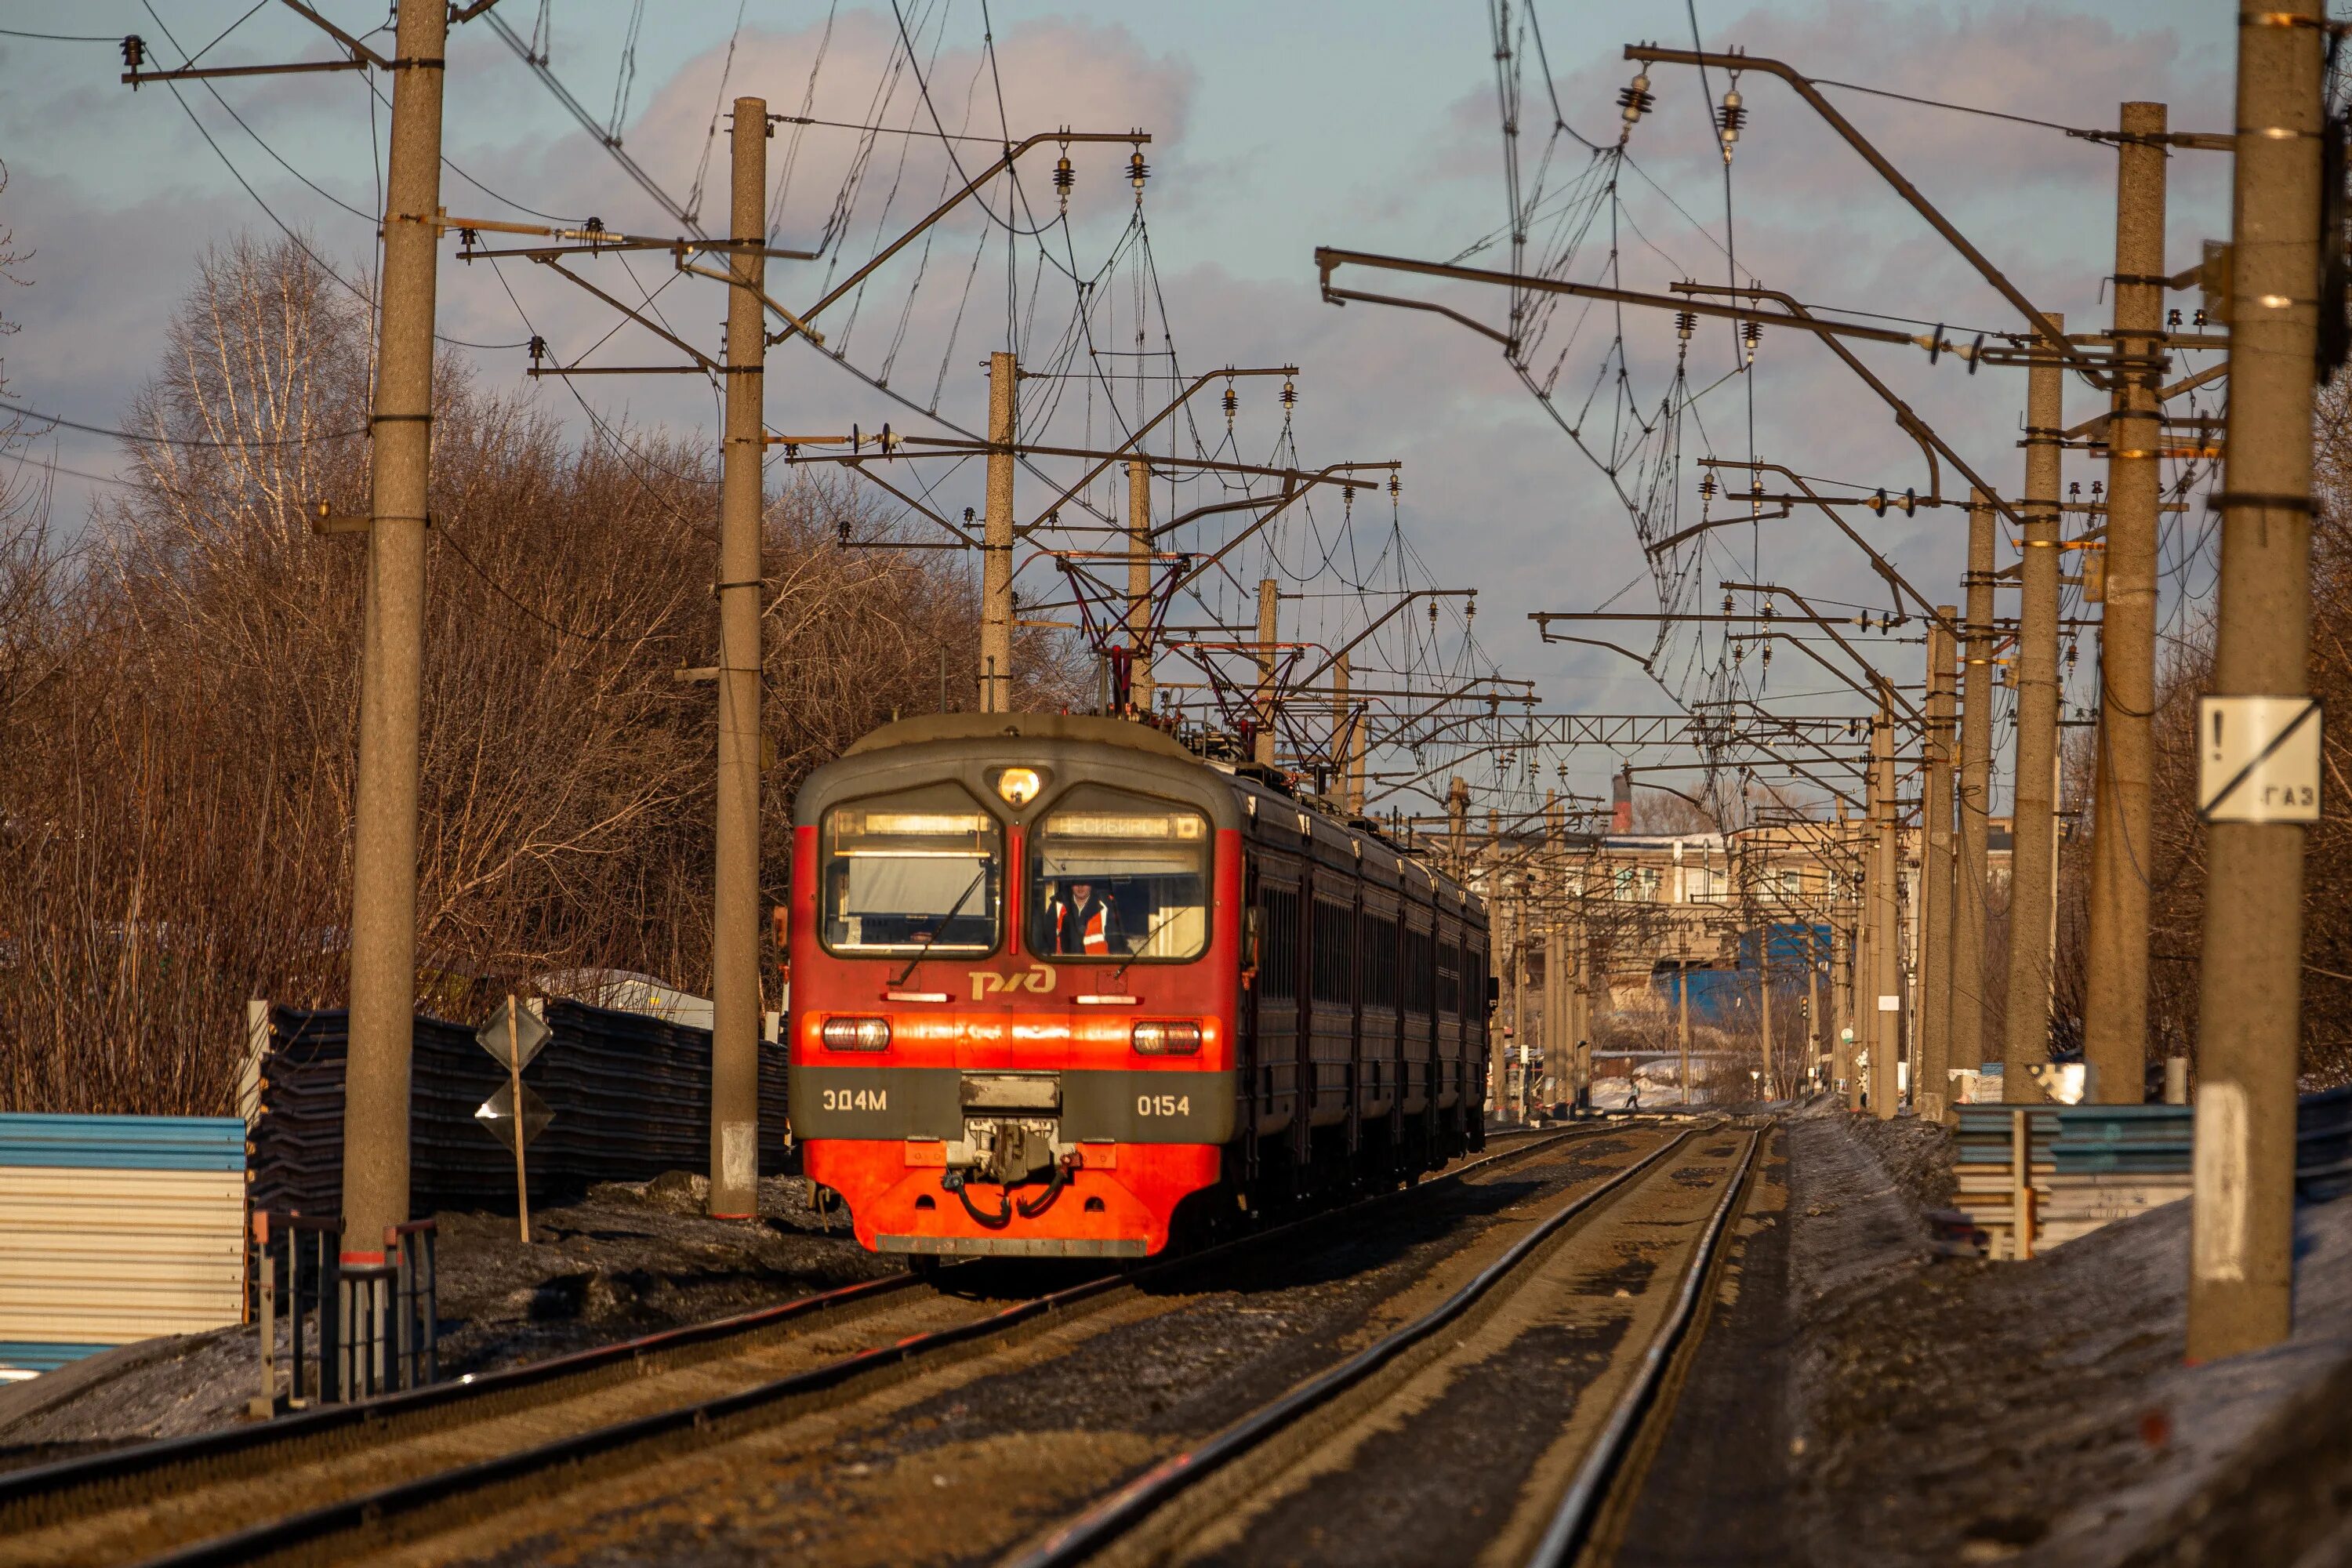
(1159, 1038)
(857, 1034)
(1019, 787)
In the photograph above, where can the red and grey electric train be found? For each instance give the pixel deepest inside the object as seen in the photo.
(1059, 987)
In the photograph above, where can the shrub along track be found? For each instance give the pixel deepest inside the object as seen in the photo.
(420, 1460)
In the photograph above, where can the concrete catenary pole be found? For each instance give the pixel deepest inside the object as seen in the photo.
(997, 537)
(1560, 1031)
(1866, 1021)
(1269, 598)
(1813, 1042)
(1141, 686)
(1355, 760)
(1764, 1011)
(1682, 1020)
(735, 1010)
(2115, 973)
(1559, 1020)
(1842, 968)
(1931, 1082)
(1457, 826)
(1525, 1037)
(383, 836)
(1974, 791)
(2249, 1010)
(1886, 913)
(1586, 960)
(1342, 743)
(1498, 1076)
(2034, 857)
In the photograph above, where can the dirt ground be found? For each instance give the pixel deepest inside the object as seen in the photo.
(627, 1259)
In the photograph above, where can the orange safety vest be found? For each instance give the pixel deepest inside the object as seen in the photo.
(1094, 938)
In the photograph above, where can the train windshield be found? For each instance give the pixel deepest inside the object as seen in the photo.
(916, 872)
(1120, 877)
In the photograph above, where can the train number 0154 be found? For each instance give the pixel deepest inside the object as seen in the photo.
(1164, 1105)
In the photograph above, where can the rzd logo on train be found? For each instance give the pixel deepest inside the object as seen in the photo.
(1038, 978)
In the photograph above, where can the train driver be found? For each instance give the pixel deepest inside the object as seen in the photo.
(1079, 920)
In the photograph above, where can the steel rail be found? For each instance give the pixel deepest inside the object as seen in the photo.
(22, 1492)
(371, 1509)
(1572, 1520)
(1081, 1537)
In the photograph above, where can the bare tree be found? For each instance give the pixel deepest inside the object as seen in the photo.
(175, 813)
(1663, 814)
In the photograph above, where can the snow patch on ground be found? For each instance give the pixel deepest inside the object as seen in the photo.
(1959, 1411)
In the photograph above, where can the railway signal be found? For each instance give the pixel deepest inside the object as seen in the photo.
(515, 1115)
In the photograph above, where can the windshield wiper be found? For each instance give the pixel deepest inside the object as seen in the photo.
(900, 978)
(1158, 926)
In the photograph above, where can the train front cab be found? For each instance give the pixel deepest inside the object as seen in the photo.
(1015, 953)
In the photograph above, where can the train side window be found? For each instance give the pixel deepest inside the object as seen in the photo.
(918, 871)
(1375, 961)
(1117, 875)
(1419, 958)
(1277, 974)
(1449, 979)
(1333, 977)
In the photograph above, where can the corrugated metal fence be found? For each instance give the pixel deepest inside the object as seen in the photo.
(631, 1096)
(2086, 1166)
(2323, 1145)
(115, 1228)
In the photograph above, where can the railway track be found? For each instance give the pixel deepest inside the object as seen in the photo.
(1313, 1458)
(325, 1480)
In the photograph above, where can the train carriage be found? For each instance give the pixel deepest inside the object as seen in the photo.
(1059, 984)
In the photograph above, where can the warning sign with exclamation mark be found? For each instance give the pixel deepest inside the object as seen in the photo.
(2257, 758)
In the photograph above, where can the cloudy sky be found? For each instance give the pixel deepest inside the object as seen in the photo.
(1274, 129)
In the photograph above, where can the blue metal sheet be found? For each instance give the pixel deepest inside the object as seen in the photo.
(1717, 996)
(123, 1142)
(1793, 945)
(2084, 1163)
(27, 1355)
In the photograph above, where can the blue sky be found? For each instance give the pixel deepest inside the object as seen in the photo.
(1276, 128)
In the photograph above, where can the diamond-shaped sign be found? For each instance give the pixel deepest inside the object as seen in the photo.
(497, 1035)
(498, 1117)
